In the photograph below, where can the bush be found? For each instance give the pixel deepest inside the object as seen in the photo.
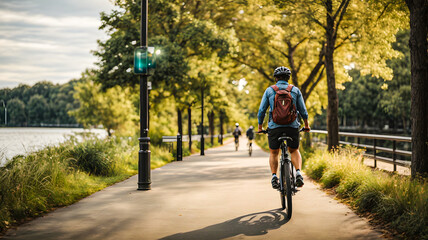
(40, 181)
(92, 157)
(399, 201)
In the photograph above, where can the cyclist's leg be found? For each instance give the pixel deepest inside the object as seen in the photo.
(296, 158)
(274, 147)
(273, 160)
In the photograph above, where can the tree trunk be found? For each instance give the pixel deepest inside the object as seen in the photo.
(419, 83)
(189, 127)
(220, 139)
(333, 100)
(211, 126)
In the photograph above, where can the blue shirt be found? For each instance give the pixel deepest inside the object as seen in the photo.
(269, 98)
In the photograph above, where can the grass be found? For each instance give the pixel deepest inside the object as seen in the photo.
(59, 176)
(398, 201)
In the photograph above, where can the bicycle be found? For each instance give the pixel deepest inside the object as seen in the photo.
(250, 146)
(236, 143)
(287, 178)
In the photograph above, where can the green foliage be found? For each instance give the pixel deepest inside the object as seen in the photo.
(61, 175)
(397, 200)
(49, 104)
(372, 101)
(48, 178)
(16, 112)
(193, 46)
(37, 106)
(113, 108)
(262, 141)
(293, 33)
(92, 157)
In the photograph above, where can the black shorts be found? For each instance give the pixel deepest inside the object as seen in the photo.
(275, 133)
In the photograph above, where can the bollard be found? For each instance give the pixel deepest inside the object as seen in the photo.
(179, 148)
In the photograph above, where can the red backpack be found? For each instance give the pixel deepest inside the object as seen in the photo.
(284, 111)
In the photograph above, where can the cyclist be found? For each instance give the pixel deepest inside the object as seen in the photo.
(250, 135)
(237, 133)
(282, 76)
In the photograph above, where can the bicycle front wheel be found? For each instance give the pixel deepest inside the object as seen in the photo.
(288, 191)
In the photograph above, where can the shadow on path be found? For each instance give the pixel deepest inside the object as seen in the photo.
(253, 224)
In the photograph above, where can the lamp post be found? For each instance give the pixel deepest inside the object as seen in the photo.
(5, 113)
(144, 153)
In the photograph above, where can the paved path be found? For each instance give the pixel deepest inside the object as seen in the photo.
(222, 195)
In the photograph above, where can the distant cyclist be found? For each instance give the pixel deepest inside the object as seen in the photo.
(250, 135)
(236, 134)
(282, 75)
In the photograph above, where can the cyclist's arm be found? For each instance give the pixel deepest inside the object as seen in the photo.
(262, 109)
(300, 104)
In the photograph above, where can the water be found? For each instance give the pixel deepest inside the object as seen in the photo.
(15, 141)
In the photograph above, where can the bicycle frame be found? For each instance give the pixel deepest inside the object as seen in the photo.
(287, 177)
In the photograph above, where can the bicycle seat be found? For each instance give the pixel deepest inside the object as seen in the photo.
(283, 138)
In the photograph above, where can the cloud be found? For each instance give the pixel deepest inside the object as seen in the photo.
(26, 18)
(47, 39)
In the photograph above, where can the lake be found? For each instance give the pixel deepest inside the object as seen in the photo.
(15, 141)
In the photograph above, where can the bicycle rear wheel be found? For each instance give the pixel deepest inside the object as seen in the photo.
(250, 150)
(288, 191)
(282, 184)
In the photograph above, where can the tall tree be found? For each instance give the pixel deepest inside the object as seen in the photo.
(113, 108)
(38, 109)
(351, 25)
(16, 112)
(419, 84)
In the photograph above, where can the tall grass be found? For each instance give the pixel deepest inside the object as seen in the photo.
(61, 175)
(398, 201)
(58, 176)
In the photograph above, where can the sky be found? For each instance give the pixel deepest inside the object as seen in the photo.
(48, 39)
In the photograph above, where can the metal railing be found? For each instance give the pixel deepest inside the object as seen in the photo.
(194, 137)
(375, 147)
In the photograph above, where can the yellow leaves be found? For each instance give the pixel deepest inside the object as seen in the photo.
(384, 86)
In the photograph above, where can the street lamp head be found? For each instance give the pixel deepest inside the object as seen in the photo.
(144, 60)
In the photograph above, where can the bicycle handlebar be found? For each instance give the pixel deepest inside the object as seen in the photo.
(266, 131)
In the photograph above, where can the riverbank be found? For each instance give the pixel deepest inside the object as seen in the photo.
(60, 175)
(20, 140)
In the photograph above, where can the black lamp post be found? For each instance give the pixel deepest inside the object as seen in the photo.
(144, 180)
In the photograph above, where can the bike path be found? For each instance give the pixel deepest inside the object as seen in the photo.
(223, 195)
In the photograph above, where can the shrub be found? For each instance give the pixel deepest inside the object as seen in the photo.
(397, 200)
(92, 157)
